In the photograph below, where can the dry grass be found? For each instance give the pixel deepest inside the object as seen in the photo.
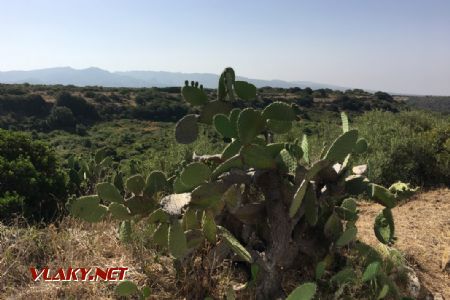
(423, 229)
(78, 244)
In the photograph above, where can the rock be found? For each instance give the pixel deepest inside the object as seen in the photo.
(413, 284)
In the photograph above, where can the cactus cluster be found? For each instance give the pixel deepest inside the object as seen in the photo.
(267, 202)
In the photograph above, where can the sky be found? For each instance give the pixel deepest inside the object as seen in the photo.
(398, 46)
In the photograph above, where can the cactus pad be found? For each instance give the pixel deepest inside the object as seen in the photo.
(250, 124)
(257, 156)
(195, 174)
(209, 227)
(279, 111)
(245, 90)
(119, 211)
(224, 126)
(383, 196)
(384, 227)
(213, 108)
(194, 95)
(186, 130)
(234, 244)
(88, 208)
(107, 191)
(177, 240)
(342, 146)
(135, 184)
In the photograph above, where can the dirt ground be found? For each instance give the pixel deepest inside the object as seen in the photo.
(422, 226)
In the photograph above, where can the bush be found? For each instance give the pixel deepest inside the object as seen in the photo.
(29, 174)
(29, 105)
(81, 109)
(408, 146)
(61, 118)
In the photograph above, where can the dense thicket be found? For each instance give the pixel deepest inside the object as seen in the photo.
(31, 183)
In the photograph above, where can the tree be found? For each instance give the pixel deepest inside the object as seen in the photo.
(61, 118)
(31, 182)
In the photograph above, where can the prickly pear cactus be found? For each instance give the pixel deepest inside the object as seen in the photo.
(267, 202)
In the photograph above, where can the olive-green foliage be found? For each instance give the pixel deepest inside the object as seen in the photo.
(30, 178)
(411, 147)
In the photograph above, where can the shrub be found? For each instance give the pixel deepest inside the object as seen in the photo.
(61, 118)
(81, 109)
(408, 146)
(30, 174)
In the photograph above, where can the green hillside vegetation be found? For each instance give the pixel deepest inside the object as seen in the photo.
(166, 157)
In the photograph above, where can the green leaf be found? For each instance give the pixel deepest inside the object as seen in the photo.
(190, 219)
(371, 271)
(305, 291)
(233, 117)
(179, 187)
(257, 156)
(361, 146)
(135, 184)
(88, 208)
(245, 90)
(209, 227)
(125, 231)
(333, 227)
(126, 288)
(342, 146)
(305, 148)
(156, 182)
(208, 194)
(231, 163)
(139, 205)
(250, 124)
(119, 211)
(186, 129)
(109, 192)
(383, 196)
(348, 236)
(158, 216)
(231, 149)
(347, 210)
(344, 119)
(279, 127)
(234, 244)
(298, 198)
(384, 227)
(146, 292)
(383, 292)
(100, 155)
(320, 269)
(344, 276)
(279, 111)
(316, 168)
(224, 126)
(177, 240)
(194, 95)
(213, 108)
(161, 235)
(311, 205)
(195, 174)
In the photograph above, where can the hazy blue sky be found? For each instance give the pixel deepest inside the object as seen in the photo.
(392, 45)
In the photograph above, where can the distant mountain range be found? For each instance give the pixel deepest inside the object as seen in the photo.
(100, 77)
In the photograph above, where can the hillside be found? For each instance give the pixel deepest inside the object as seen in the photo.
(136, 79)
